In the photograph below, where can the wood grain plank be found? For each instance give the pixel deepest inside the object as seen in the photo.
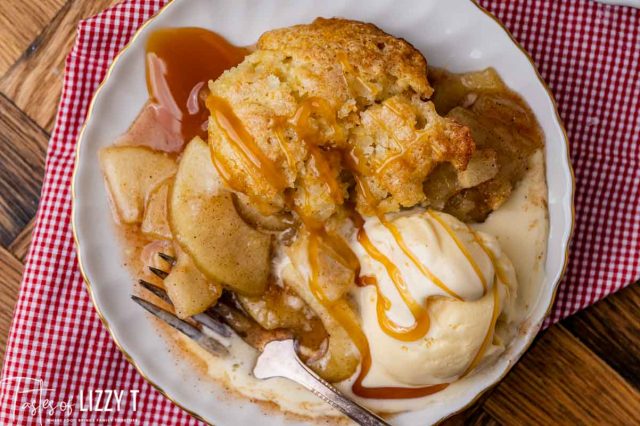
(20, 245)
(20, 22)
(22, 153)
(611, 329)
(480, 418)
(10, 276)
(34, 82)
(560, 381)
(474, 416)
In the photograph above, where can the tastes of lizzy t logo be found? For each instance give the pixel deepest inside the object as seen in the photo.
(27, 397)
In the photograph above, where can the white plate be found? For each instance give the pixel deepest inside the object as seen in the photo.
(632, 3)
(455, 34)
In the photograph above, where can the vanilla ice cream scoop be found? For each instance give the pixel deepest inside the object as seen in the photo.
(461, 275)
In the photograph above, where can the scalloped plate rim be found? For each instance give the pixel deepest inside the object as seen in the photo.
(85, 200)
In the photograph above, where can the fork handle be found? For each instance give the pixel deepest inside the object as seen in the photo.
(279, 359)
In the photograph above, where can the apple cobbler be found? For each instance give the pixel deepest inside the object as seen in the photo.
(325, 190)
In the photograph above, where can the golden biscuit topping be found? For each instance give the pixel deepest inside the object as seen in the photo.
(315, 136)
(317, 107)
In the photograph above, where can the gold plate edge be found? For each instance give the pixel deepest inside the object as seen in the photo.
(85, 279)
(196, 415)
(556, 284)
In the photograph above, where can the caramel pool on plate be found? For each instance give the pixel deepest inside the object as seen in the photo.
(188, 58)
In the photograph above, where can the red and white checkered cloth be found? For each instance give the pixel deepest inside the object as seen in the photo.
(589, 54)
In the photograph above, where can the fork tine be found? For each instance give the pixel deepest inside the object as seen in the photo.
(247, 328)
(159, 272)
(169, 259)
(155, 290)
(184, 327)
(212, 324)
(203, 319)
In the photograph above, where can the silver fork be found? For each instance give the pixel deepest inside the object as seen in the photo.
(278, 357)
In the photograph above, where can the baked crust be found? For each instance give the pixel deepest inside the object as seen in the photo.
(330, 103)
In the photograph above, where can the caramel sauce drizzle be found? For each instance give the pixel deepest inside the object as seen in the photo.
(419, 311)
(282, 144)
(389, 104)
(244, 144)
(339, 310)
(253, 160)
(421, 324)
(348, 69)
(224, 169)
(308, 133)
(421, 267)
(335, 244)
(502, 276)
(366, 193)
(259, 166)
(463, 248)
(398, 144)
(490, 332)
(190, 58)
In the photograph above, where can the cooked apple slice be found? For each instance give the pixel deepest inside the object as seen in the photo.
(189, 290)
(205, 223)
(155, 223)
(196, 173)
(482, 166)
(131, 173)
(223, 246)
(280, 308)
(452, 89)
(341, 359)
(252, 215)
(276, 308)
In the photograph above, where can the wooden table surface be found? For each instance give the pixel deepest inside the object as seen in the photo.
(585, 370)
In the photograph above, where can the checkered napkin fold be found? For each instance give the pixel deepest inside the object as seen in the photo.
(589, 54)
